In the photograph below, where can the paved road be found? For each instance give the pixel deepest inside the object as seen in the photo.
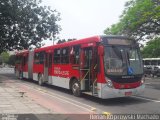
(61, 100)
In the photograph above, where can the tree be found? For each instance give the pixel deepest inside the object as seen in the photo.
(5, 57)
(152, 49)
(140, 19)
(11, 60)
(1, 60)
(24, 23)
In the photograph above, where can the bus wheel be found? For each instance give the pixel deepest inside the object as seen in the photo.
(40, 79)
(76, 88)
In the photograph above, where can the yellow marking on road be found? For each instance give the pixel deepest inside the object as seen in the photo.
(106, 113)
(93, 109)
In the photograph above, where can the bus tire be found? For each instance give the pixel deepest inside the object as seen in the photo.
(40, 79)
(76, 88)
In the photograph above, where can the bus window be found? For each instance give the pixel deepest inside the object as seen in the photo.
(36, 58)
(56, 56)
(25, 60)
(50, 60)
(18, 59)
(75, 54)
(39, 58)
(65, 55)
(154, 62)
(147, 62)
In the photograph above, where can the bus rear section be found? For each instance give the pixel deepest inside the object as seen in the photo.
(23, 65)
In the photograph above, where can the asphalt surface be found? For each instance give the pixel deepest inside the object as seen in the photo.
(59, 100)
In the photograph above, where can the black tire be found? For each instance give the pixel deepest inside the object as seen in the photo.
(76, 90)
(40, 79)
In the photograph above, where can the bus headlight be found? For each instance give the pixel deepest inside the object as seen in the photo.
(109, 83)
(143, 80)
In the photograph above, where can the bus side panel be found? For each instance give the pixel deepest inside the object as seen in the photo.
(62, 74)
(37, 69)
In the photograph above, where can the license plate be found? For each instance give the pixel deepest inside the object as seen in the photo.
(128, 93)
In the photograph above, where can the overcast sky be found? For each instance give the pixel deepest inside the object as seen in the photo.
(85, 18)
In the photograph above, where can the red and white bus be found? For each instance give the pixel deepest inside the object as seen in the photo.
(101, 66)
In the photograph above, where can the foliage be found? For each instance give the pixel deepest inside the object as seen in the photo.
(152, 49)
(1, 60)
(5, 57)
(11, 60)
(140, 19)
(24, 23)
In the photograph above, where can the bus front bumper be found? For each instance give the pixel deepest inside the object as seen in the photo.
(106, 92)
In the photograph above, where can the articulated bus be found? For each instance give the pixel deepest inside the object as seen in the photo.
(101, 66)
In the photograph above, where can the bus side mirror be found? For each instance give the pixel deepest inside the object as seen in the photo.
(101, 50)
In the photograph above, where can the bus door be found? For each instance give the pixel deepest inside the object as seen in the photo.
(50, 66)
(46, 58)
(87, 67)
(24, 66)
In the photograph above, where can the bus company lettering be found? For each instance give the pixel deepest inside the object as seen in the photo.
(58, 71)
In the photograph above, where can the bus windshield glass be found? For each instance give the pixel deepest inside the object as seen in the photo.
(122, 60)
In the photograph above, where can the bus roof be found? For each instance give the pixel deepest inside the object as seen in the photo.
(151, 58)
(81, 41)
(76, 42)
(22, 52)
(70, 43)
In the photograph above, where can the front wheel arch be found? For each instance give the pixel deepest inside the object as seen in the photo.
(76, 88)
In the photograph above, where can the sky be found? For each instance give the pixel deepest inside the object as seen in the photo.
(85, 18)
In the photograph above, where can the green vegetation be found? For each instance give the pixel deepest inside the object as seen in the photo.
(24, 23)
(12, 60)
(4, 57)
(152, 49)
(140, 20)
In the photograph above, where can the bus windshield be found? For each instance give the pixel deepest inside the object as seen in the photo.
(122, 60)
